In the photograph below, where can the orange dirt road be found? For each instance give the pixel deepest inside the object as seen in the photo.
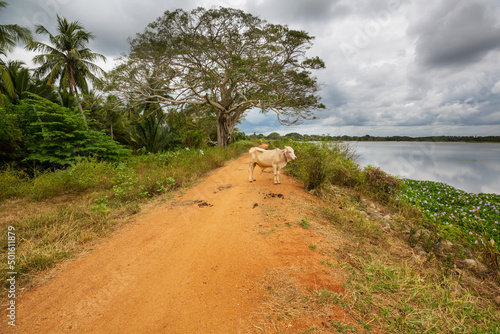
(194, 264)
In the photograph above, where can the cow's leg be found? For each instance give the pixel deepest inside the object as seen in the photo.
(278, 175)
(251, 168)
(276, 171)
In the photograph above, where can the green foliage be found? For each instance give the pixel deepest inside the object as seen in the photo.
(87, 174)
(11, 136)
(68, 59)
(153, 134)
(325, 163)
(13, 183)
(10, 34)
(304, 222)
(42, 132)
(195, 124)
(380, 183)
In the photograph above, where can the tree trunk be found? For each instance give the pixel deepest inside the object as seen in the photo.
(111, 131)
(81, 111)
(74, 90)
(225, 129)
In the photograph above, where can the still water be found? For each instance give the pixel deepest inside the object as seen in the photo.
(473, 167)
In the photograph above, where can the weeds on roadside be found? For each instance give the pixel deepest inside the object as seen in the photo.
(304, 222)
(401, 299)
(333, 164)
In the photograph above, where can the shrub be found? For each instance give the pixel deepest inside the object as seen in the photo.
(380, 183)
(325, 163)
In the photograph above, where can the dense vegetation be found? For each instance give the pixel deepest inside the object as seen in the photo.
(205, 84)
(465, 218)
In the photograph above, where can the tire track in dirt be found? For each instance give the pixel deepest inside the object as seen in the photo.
(193, 265)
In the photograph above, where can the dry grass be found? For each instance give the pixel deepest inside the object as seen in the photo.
(52, 230)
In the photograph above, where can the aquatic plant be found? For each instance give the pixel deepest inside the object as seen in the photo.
(469, 217)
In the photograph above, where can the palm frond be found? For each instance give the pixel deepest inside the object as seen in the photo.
(67, 60)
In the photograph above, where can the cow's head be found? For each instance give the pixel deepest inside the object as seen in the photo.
(289, 154)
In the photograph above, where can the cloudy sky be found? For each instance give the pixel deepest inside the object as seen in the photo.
(404, 67)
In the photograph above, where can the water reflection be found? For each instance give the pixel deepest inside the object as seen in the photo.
(473, 167)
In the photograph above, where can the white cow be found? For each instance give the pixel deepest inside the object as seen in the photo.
(276, 158)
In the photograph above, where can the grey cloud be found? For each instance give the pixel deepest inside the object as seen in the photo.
(430, 66)
(455, 33)
(311, 12)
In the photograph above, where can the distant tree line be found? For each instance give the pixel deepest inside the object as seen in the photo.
(300, 137)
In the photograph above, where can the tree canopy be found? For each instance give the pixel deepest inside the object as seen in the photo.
(10, 34)
(67, 58)
(224, 58)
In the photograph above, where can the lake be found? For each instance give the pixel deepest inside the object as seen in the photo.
(473, 167)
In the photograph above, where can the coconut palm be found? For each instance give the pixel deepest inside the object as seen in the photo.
(10, 34)
(68, 59)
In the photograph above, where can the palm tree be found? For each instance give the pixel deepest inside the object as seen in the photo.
(68, 59)
(10, 34)
(20, 78)
(152, 133)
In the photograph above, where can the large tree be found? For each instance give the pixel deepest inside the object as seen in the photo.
(224, 58)
(10, 34)
(68, 59)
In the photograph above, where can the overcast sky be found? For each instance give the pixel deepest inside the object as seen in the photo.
(415, 68)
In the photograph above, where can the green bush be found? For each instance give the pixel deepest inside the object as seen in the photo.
(325, 163)
(90, 173)
(59, 137)
(84, 175)
(333, 163)
(11, 136)
(39, 132)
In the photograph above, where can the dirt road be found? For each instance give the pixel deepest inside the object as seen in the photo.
(199, 263)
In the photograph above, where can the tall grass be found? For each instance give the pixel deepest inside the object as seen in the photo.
(55, 213)
(136, 176)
